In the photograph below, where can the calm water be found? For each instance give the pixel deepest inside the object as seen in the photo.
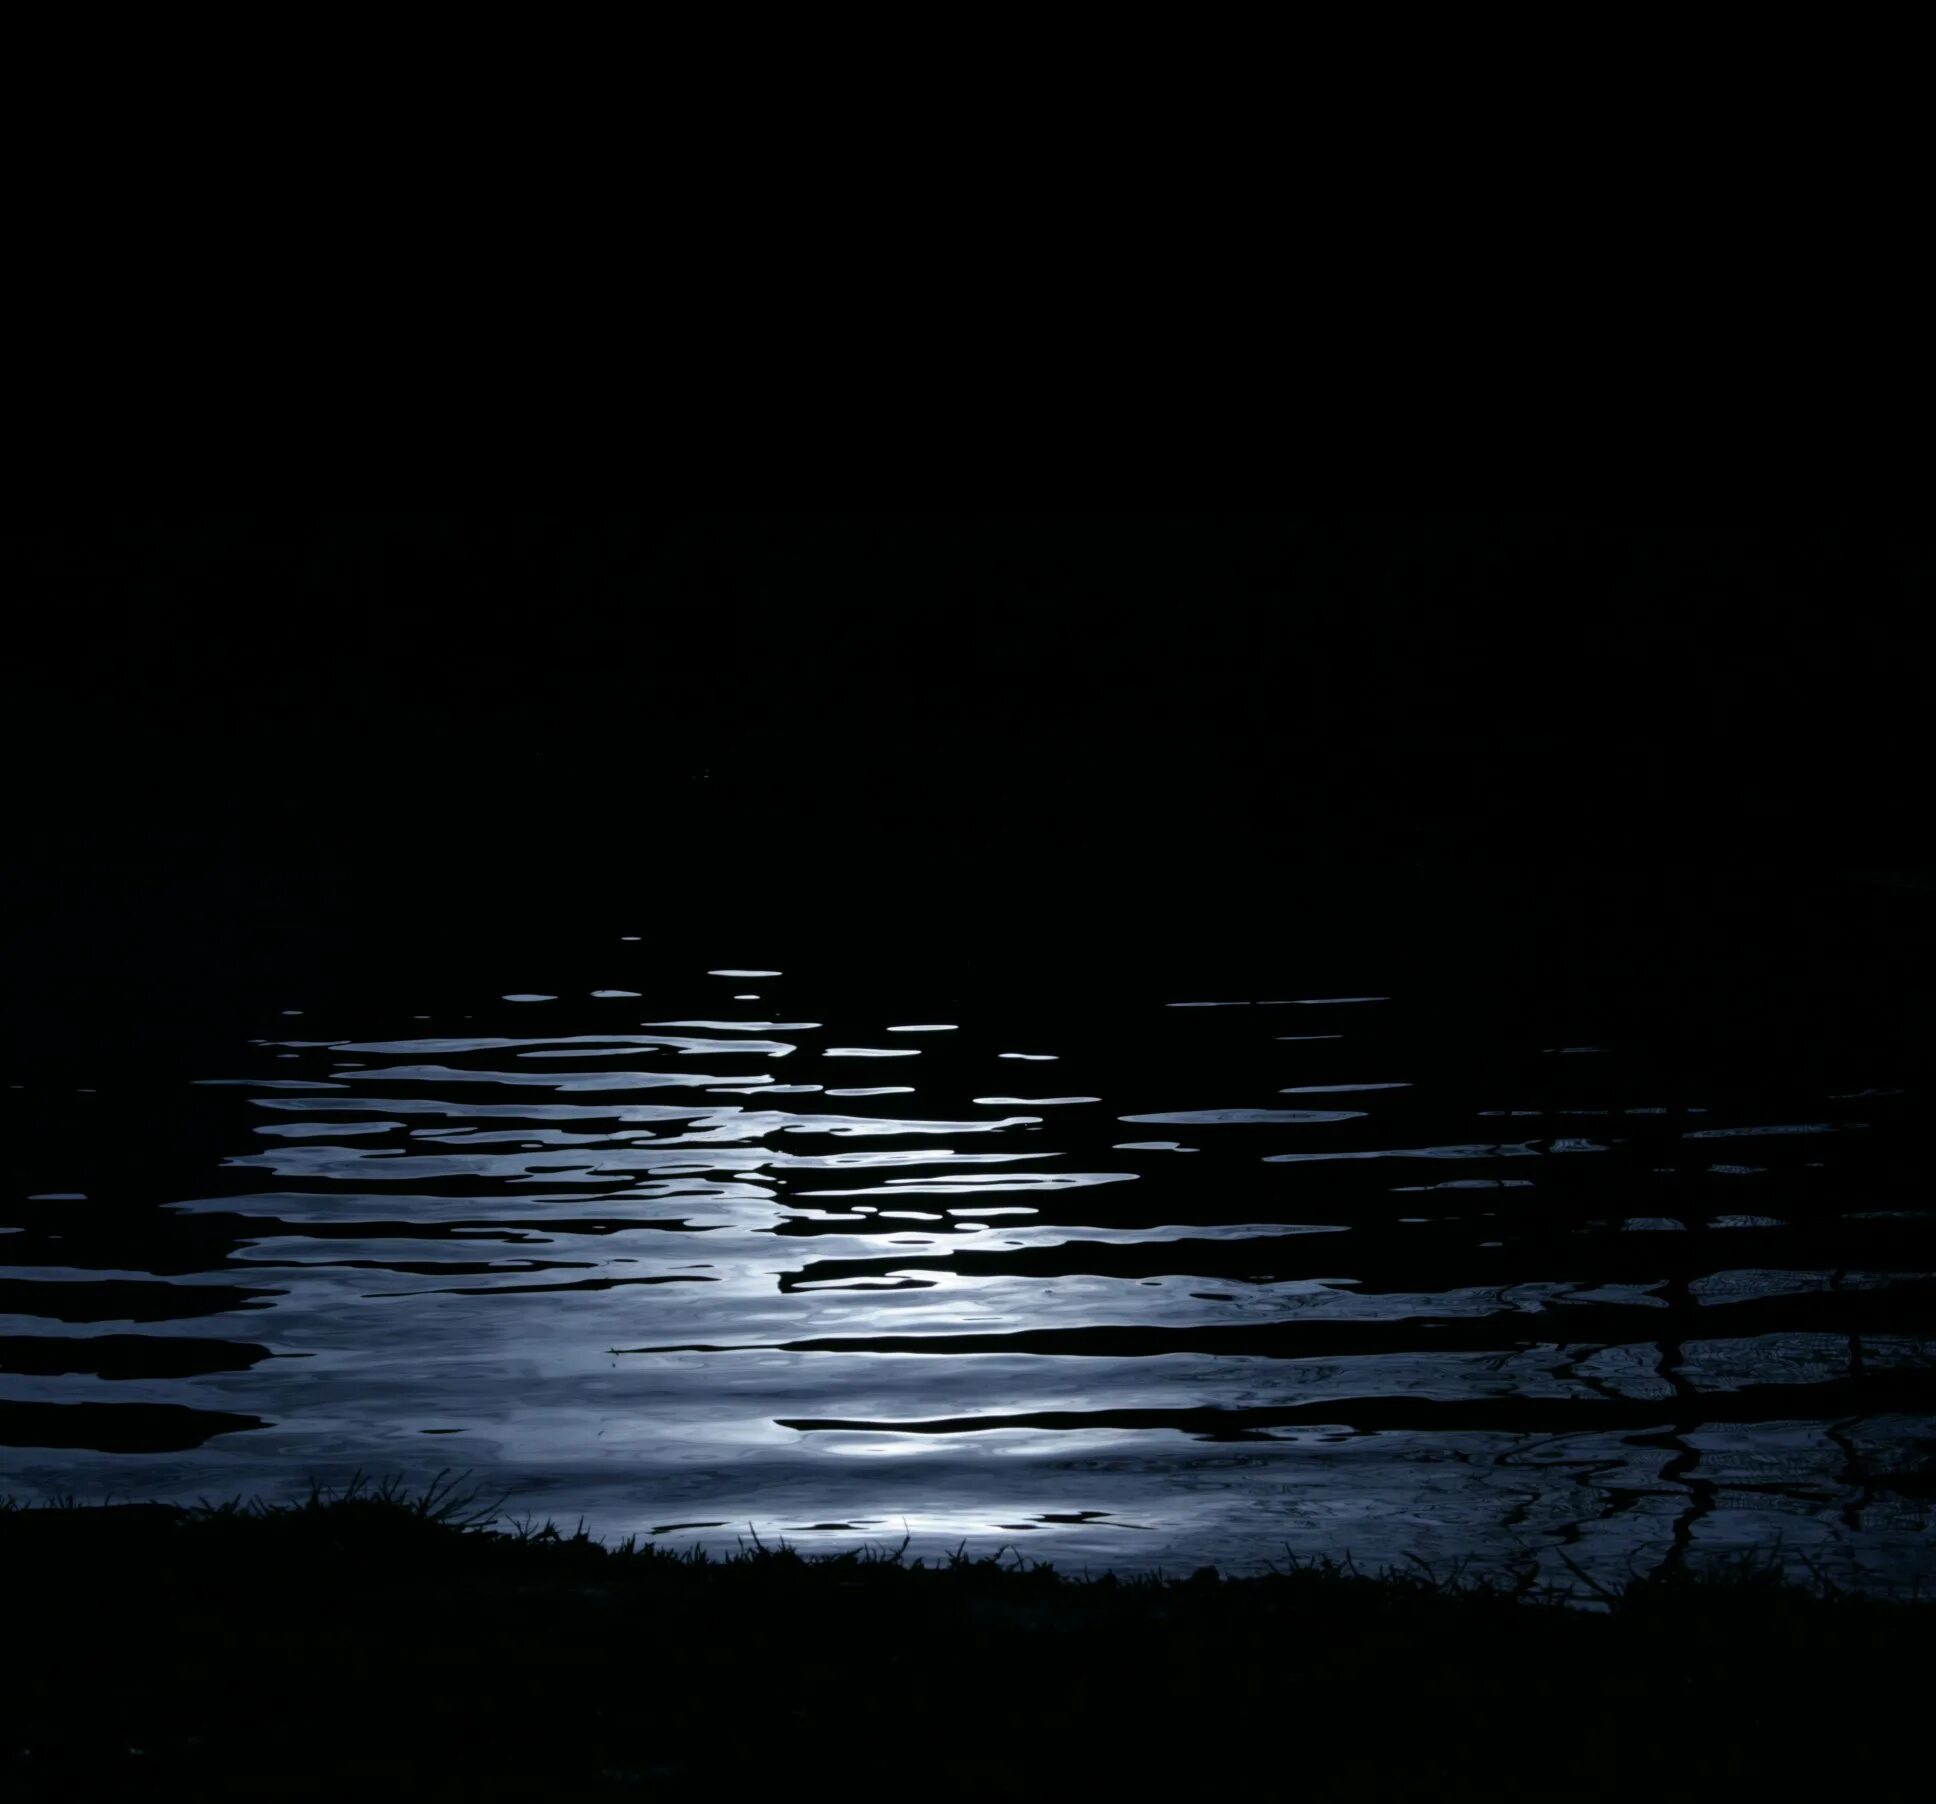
(1121, 1261)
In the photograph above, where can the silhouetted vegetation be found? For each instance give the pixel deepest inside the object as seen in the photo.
(375, 1643)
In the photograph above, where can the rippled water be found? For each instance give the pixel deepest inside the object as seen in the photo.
(1115, 1272)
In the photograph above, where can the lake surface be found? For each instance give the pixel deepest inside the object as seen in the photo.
(1415, 1233)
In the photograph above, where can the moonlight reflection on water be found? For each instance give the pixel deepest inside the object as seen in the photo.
(623, 1253)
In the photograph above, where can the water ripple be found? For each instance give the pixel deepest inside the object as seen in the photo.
(619, 1293)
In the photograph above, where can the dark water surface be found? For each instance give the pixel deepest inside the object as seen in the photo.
(1416, 1216)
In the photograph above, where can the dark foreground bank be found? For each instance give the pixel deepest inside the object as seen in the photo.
(376, 1647)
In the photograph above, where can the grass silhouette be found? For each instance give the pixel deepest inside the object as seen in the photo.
(405, 1643)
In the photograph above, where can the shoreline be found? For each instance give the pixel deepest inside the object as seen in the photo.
(397, 1644)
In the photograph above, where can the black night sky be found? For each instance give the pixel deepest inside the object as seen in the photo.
(1524, 683)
